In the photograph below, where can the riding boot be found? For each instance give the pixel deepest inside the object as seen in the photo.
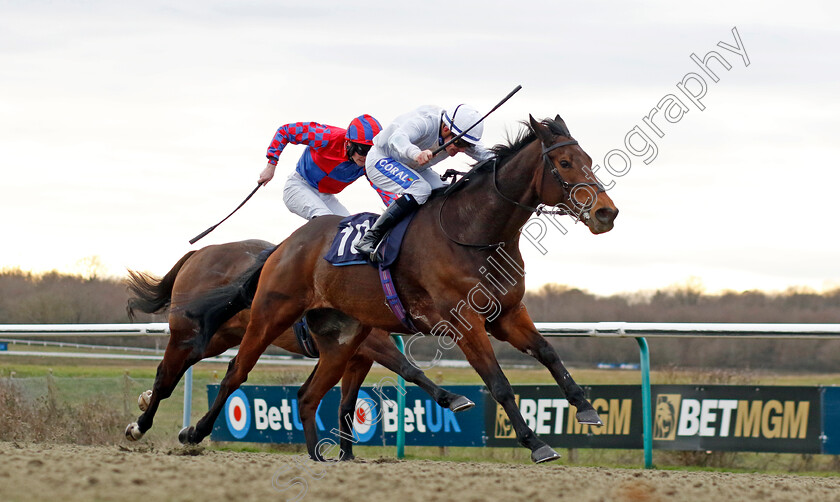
(396, 211)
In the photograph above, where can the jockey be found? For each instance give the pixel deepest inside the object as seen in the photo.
(398, 164)
(334, 158)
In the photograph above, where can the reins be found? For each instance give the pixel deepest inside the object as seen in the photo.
(569, 188)
(463, 179)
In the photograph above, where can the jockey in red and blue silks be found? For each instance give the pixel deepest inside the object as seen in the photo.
(334, 158)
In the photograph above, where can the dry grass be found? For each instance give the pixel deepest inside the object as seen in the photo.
(49, 419)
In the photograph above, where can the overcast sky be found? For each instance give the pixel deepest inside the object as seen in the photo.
(129, 127)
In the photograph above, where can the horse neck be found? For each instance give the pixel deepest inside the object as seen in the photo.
(483, 214)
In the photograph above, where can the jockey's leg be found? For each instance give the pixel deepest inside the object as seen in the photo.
(401, 188)
(304, 200)
(432, 178)
(401, 208)
(333, 204)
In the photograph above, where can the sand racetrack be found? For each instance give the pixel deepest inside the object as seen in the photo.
(67, 473)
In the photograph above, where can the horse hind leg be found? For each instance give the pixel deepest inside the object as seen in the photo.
(351, 381)
(337, 336)
(169, 372)
(176, 360)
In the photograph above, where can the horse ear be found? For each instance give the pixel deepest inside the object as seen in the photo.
(563, 125)
(540, 130)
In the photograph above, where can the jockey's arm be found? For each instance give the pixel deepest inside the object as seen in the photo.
(401, 143)
(311, 134)
(298, 133)
(401, 148)
(267, 173)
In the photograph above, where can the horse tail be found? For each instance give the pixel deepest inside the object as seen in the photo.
(152, 295)
(219, 305)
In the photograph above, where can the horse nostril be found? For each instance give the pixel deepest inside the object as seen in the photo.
(606, 214)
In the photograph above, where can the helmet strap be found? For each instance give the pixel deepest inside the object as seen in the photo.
(453, 116)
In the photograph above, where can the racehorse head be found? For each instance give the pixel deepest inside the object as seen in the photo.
(567, 180)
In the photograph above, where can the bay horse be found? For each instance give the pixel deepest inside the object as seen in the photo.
(443, 260)
(200, 271)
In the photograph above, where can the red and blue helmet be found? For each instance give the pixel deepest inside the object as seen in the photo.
(362, 129)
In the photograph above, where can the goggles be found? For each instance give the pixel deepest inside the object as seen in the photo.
(359, 148)
(461, 143)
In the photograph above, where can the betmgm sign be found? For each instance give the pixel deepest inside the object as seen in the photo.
(713, 417)
(548, 413)
(739, 418)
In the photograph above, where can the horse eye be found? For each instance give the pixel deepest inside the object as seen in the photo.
(565, 164)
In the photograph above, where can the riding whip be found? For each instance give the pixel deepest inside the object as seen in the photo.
(462, 133)
(202, 234)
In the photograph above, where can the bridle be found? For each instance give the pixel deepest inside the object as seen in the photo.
(569, 188)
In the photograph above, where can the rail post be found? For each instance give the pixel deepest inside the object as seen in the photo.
(647, 419)
(400, 404)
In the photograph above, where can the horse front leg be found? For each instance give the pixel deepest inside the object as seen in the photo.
(351, 381)
(476, 347)
(517, 328)
(381, 349)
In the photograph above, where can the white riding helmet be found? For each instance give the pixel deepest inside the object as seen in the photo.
(462, 118)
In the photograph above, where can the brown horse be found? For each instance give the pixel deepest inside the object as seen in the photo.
(442, 274)
(200, 271)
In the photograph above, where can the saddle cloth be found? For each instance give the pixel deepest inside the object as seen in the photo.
(350, 231)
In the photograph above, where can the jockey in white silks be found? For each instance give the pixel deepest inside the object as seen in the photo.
(398, 164)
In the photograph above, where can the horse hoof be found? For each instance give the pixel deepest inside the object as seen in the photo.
(144, 400)
(133, 432)
(461, 403)
(589, 417)
(186, 435)
(544, 453)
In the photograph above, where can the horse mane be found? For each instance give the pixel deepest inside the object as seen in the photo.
(503, 152)
(525, 136)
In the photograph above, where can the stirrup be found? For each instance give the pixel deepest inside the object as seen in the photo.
(375, 256)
